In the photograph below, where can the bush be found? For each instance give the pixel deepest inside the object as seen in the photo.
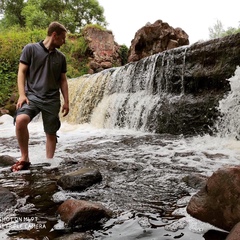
(124, 54)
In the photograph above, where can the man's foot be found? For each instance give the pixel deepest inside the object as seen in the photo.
(20, 165)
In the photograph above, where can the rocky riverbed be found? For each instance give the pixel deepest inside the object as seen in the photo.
(147, 181)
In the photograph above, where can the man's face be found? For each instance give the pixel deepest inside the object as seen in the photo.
(59, 40)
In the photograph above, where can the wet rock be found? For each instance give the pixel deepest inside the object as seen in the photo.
(79, 180)
(218, 202)
(6, 160)
(235, 233)
(76, 236)
(79, 212)
(7, 199)
(195, 181)
(155, 38)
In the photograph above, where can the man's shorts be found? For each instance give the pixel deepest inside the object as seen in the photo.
(49, 110)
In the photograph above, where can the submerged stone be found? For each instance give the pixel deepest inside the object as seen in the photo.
(79, 180)
(6, 160)
(76, 236)
(7, 199)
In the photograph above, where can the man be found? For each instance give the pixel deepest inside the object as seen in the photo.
(41, 74)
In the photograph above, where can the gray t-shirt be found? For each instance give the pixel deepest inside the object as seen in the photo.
(44, 72)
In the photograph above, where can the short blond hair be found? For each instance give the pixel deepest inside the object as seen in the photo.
(55, 27)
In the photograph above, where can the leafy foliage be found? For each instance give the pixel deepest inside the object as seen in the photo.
(124, 54)
(74, 14)
(218, 31)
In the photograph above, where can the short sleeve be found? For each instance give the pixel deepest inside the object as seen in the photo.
(64, 65)
(26, 55)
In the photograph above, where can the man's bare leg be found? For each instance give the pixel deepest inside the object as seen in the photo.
(22, 134)
(50, 145)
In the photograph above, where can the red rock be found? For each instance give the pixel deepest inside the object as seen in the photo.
(218, 202)
(104, 51)
(155, 38)
(80, 212)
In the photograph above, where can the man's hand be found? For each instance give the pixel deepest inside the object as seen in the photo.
(65, 109)
(21, 101)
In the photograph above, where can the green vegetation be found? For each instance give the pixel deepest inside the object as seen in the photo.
(13, 40)
(11, 43)
(74, 14)
(218, 31)
(124, 54)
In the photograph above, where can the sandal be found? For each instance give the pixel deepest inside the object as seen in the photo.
(20, 165)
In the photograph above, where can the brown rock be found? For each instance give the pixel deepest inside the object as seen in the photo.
(80, 212)
(155, 38)
(218, 202)
(235, 233)
(103, 50)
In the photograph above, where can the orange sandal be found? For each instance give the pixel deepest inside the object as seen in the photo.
(20, 165)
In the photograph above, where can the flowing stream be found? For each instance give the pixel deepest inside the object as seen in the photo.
(143, 172)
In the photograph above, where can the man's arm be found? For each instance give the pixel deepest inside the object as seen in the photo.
(64, 90)
(22, 72)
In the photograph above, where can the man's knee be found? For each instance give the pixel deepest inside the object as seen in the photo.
(22, 120)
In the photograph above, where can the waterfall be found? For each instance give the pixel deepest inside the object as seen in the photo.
(228, 124)
(131, 96)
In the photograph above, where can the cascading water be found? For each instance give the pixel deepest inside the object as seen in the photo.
(228, 124)
(127, 97)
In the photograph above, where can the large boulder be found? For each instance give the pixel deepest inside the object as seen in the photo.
(155, 38)
(235, 233)
(218, 202)
(102, 49)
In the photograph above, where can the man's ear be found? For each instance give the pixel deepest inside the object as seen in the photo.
(54, 34)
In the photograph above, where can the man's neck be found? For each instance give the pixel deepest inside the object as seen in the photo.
(47, 43)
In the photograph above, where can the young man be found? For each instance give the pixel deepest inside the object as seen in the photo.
(41, 76)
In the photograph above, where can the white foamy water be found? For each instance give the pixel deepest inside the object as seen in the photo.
(225, 151)
(206, 154)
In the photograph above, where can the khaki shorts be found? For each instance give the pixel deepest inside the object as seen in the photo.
(49, 110)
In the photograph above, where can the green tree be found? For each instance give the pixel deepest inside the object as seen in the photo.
(32, 12)
(74, 14)
(11, 10)
(218, 31)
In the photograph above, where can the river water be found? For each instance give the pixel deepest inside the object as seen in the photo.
(142, 177)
